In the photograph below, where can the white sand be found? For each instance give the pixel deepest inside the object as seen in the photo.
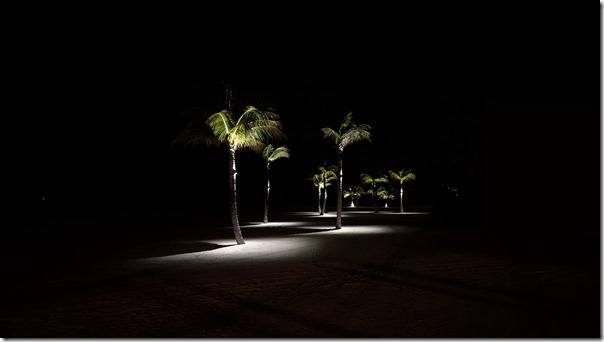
(392, 278)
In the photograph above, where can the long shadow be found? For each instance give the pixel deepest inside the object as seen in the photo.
(353, 218)
(252, 231)
(170, 248)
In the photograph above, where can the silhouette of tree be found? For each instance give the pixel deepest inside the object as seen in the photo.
(250, 129)
(270, 154)
(401, 176)
(354, 192)
(328, 175)
(373, 181)
(347, 134)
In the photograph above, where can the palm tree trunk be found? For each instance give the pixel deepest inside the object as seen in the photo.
(319, 202)
(339, 192)
(324, 200)
(375, 210)
(233, 197)
(401, 197)
(266, 193)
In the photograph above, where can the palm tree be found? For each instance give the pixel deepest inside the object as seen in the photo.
(402, 176)
(317, 181)
(328, 175)
(247, 130)
(348, 133)
(354, 192)
(385, 193)
(270, 154)
(373, 181)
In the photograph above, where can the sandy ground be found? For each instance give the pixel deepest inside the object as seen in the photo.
(382, 275)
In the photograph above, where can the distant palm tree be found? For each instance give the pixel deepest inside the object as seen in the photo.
(348, 133)
(328, 175)
(317, 181)
(385, 193)
(270, 154)
(354, 192)
(373, 181)
(250, 129)
(402, 176)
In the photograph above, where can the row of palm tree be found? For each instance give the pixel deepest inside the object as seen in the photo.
(254, 129)
(375, 189)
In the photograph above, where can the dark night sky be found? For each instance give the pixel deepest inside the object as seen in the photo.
(95, 111)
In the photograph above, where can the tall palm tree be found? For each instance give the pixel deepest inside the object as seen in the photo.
(348, 133)
(373, 181)
(402, 176)
(317, 181)
(270, 154)
(249, 129)
(328, 175)
(354, 192)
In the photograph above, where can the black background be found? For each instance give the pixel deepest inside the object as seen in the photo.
(96, 98)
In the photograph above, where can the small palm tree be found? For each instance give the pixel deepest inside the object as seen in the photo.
(354, 192)
(348, 133)
(402, 176)
(385, 193)
(373, 181)
(328, 175)
(317, 181)
(250, 129)
(270, 154)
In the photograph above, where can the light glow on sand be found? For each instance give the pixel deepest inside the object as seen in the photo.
(254, 249)
(364, 229)
(285, 242)
(272, 224)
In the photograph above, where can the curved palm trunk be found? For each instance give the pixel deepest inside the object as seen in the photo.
(233, 196)
(339, 192)
(401, 197)
(266, 193)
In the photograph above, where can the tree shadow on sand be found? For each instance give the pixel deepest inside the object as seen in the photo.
(258, 230)
(169, 248)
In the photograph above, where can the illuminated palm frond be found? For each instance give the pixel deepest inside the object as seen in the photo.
(255, 126)
(270, 154)
(250, 130)
(267, 152)
(367, 179)
(348, 133)
(328, 175)
(316, 180)
(221, 124)
(385, 193)
(346, 122)
(330, 134)
(355, 134)
(355, 192)
(402, 175)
